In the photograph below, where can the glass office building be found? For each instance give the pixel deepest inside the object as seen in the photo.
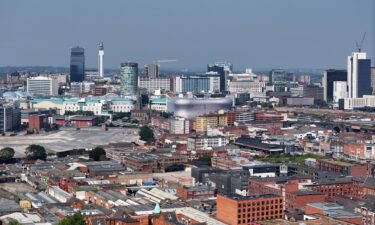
(77, 64)
(129, 78)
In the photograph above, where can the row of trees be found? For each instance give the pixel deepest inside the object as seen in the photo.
(33, 152)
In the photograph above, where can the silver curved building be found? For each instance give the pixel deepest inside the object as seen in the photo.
(192, 107)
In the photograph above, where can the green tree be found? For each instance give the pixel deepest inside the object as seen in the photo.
(98, 154)
(6, 154)
(14, 222)
(146, 134)
(35, 152)
(76, 219)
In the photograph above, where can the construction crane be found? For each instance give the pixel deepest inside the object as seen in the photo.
(360, 44)
(164, 61)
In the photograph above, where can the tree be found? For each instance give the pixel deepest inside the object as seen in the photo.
(98, 154)
(146, 134)
(6, 154)
(14, 222)
(76, 219)
(35, 152)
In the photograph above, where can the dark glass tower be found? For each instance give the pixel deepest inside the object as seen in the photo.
(329, 77)
(223, 69)
(77, 64)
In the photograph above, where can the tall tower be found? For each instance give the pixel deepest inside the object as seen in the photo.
(77, 64)
(129, 79)
(359, 75)
(101, 60)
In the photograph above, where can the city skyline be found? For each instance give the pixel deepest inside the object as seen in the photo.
(266, 34)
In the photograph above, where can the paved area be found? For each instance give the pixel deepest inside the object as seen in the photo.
(16, 188)
(68, 139)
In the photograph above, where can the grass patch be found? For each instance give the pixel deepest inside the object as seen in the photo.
(300, 159)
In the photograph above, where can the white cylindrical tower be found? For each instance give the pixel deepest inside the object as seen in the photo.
(101, 60)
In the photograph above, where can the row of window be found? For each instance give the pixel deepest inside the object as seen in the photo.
(276, 201)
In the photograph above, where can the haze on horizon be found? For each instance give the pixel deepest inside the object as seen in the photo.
(247, 33)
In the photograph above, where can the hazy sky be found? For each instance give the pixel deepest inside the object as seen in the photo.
(248, 33)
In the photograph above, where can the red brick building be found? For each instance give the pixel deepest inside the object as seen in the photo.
(342, 187)
(237, 209)
(38, 122)
(196, 193)
(340, 167)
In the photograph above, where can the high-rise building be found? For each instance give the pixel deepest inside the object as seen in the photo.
(77, 64)
(42, 86)
(278, 76)
(10, 117)
(223, 69)
(373, 80)
(329, 77)
(151, 70)
(359, 75)
(129, 78)
(101, 60)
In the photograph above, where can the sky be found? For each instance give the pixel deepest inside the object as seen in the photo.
(316, 34)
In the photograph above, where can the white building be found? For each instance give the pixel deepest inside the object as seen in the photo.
(121, 105)
(339, 90)
(42, 86)
(353, 103)
(101, 60)
(151, 84)
(254, 87)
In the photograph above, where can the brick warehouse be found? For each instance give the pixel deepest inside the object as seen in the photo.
(238, 209)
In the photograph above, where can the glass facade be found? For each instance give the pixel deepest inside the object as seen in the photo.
(364, 77)
(278, 76)
(223, 69)
(129, 78)
(77, 64)
(330, 76)
(195, 84)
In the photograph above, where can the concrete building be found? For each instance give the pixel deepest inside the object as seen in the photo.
(121, 105)
(151, 84)
(201, 143)
(205, 122)
(42, 86)
(339, 90)
(129, 78)
(373, 80)
(159, 104)
(357, 103)
(151, 70)
(10, 117)
(179, 125)
(197, 84)
(359, 75)
(254, 87)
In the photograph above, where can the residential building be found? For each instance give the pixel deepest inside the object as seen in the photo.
(205, 122)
